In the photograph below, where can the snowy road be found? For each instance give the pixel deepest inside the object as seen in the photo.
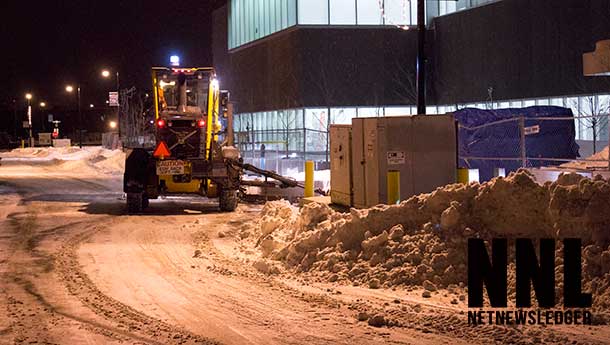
(76, 270)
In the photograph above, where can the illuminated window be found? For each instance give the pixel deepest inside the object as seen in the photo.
(342, 116)
(398, 12)
(369, 12)
(313, 12)
(342, 12)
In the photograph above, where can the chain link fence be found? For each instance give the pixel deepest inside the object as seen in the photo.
(285, 151)
(534, 142)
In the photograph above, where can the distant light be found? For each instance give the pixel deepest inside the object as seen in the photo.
(69, 88)
(91, 105)
(43, 104)
(174, 60)
(112, 124)
(105, 73)
(164, 84)
(28, 96)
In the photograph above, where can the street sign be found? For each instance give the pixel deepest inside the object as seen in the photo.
(113, 99)
(532, 130)
(26, 124)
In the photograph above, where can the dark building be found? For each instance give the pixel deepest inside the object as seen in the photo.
(294, 66)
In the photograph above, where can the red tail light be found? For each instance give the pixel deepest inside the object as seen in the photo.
(201, 123)
(161, 123)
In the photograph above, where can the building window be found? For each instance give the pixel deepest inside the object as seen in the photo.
(369, 12)
(397, 12)
(342, 12)
(342, 116)
(250, 20)
(397, 111)
(313, 12)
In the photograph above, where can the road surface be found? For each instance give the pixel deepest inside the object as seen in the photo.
(77, 270)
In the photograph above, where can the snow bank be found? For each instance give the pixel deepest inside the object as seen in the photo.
(423, 241)
(596, 161)
(91, 159)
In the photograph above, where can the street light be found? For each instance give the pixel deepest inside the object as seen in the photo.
(91, 106)
(42, 104)
(70, 89)
(28, 96)
(106, 74)
(112, 124)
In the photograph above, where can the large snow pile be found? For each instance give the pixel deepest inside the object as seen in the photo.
(597, 161)
(91, 159)
(423, 241)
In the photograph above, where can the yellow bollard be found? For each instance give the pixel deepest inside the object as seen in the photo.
(467, 176)
(309, 179)
(393, 187)
(22, 143)
(462, 176)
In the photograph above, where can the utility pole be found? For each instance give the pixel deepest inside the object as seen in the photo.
(421, 57)
(118, 108)
(80, 120)
(15, 118)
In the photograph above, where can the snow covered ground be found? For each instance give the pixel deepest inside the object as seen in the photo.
(90, 160)
(76, 269)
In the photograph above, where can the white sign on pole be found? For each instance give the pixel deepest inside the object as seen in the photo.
(50, 117)
(30, 115)
(113, 99)
(532, 130)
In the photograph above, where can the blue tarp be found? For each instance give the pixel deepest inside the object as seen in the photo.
(496, 134)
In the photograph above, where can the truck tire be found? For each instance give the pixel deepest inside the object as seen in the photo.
(135, 203)
(228, 200)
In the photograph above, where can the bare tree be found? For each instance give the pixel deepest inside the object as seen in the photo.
(404, 78)
(329, 94)
(286, 116)
(593, 115)
(136, 115)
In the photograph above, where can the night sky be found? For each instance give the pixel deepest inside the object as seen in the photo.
(48, 44)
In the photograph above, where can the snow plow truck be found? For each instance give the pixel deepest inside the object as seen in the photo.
(193, 152)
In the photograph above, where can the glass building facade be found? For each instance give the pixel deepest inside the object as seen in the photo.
(250, 20)
(303, 132)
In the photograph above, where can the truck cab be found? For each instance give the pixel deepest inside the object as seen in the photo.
(188, 157)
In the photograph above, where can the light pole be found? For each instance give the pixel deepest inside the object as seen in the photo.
(106, 74)
(42, 105)
(28, 96)
(421, 57)
(70, 89)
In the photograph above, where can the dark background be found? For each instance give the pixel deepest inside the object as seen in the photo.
(48, 44)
